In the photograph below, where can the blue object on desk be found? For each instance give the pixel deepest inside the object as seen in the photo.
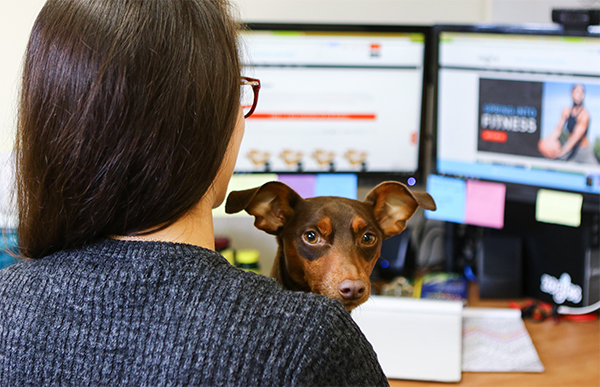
(444, 286)
(342, 185)
(8, 248)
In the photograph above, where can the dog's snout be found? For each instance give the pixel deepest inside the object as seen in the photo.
(352, 289)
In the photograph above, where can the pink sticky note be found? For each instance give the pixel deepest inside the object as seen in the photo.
(303, 184)
(485, 204)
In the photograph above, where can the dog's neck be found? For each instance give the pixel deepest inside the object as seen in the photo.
(281, 274)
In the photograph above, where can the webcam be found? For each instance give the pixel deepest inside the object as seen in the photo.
(576, 19)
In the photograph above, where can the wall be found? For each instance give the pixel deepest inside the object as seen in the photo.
(370, 11)
(16, 19)
(406, 11)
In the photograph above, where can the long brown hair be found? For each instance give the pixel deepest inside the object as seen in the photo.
(126, 111)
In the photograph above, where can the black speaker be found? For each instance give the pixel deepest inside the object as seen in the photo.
(548, 262)
(563, 263)
(397, 257)
(499, 266)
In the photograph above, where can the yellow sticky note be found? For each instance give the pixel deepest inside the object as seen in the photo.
(558, 207)
(242, 182)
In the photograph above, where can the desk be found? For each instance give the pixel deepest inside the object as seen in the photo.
(569, 351)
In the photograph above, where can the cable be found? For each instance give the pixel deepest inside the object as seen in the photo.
(583, 310)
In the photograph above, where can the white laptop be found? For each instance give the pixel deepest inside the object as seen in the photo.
(415, 339)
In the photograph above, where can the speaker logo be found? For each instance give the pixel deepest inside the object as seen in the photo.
(561, 289)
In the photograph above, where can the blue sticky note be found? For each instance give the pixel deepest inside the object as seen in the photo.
(342, 185)
(450, 196)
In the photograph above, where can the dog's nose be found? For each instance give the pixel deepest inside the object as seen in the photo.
(352, 289)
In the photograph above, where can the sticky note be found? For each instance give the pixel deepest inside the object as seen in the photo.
(450, 198)
(558, 207)
(304, 185)
(342, 185)
(242, 182)
(485, 204)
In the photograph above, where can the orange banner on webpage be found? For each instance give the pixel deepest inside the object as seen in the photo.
(494, 135)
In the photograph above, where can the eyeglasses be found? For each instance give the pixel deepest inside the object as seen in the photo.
(249, 95)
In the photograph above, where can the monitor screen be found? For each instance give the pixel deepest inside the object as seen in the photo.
(519, 106)
(334, 98)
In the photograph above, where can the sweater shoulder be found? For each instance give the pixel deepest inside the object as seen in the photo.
(233, 327)
(341, 354)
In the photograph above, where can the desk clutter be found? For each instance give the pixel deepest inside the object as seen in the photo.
(407, 335)
(431, 311)
(245, 259)
(436, 286)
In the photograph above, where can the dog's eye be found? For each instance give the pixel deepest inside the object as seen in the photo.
(369, 239)
(311, 237)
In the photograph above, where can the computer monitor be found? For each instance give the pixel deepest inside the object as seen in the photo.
(334, 98)
(519, 105)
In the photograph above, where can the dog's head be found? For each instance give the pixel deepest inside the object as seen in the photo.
(329, 245)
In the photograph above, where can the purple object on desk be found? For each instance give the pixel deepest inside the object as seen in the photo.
(304, 185)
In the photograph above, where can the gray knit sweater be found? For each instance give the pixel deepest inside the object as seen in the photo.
(163, 314)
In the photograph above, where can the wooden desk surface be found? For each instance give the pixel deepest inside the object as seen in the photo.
(569, 351)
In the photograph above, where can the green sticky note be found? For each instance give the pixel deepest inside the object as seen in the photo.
(240, 183)
(558, 207)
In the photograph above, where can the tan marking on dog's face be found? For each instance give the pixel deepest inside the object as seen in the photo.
(358, 224)
(324, 227)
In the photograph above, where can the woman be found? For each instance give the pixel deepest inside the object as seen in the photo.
(573, 127)
(129, 128)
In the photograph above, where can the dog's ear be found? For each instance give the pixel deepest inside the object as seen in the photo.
(393, 204)
(272, 205)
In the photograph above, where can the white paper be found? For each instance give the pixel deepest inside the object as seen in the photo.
(496, 340)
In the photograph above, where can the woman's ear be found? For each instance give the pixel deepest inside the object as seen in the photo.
(227, 166)
(272, 205)
(394, 203)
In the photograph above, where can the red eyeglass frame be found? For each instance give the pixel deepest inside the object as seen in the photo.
(255, 83)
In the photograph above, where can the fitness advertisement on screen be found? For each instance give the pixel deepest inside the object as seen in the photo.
(549, 120)
(570, 128)
(509, 116)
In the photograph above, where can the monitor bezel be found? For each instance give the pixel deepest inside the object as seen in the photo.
(516, 192)
(368, 177)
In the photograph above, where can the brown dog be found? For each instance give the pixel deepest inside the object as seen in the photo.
(329, 245)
